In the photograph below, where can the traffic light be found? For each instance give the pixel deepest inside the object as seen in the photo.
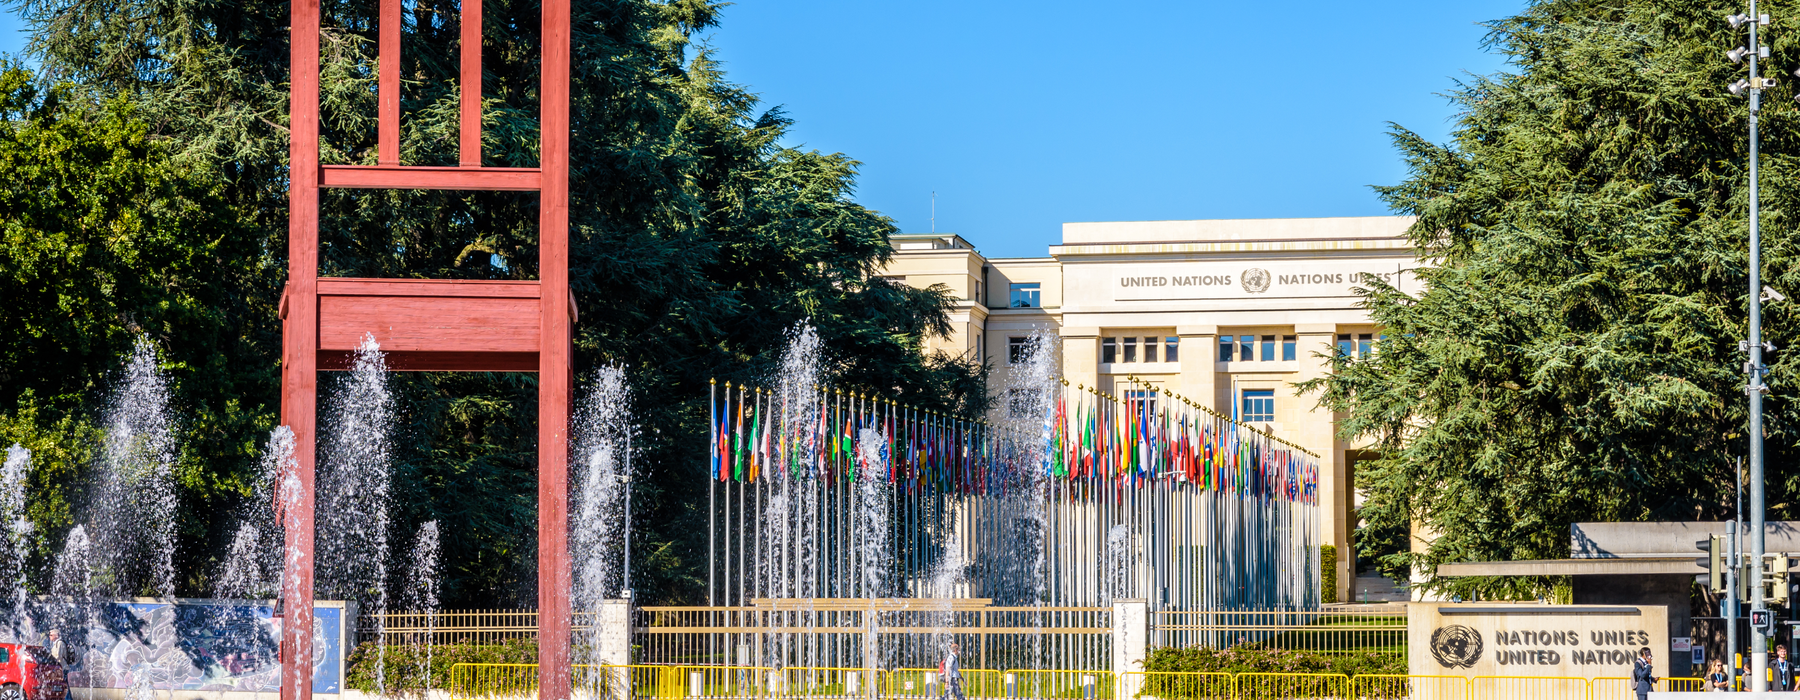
(1763, 621)
(1779, 564)
(1714, 546)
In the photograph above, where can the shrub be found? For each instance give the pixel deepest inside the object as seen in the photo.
(406, 662)
(1252, 659)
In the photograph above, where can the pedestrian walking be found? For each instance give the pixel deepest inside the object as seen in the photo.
(950, 674)
(1641, 679)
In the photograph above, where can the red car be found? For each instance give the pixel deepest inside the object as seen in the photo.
(30, 673)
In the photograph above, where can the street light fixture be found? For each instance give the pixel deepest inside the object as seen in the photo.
(1754, 368)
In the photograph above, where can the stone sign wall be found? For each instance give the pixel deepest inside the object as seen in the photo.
(1577, 641)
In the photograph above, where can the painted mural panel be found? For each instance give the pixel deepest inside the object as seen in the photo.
(199, 645)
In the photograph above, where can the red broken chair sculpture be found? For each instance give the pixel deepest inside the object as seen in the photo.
(429, 325)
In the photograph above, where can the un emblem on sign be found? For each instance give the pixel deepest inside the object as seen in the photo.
(1456, 646)
(1256, 280)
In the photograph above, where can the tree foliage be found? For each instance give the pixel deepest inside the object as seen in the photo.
(105, 237)
(698, 239)
(1583, 237)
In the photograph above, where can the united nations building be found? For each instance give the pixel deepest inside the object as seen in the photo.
(1230, 313)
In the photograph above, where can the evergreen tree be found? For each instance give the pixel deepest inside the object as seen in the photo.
(697, 238)
(1583, 242)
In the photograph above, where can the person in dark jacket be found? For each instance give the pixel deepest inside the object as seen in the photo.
(1783, 671)
(1641, 679)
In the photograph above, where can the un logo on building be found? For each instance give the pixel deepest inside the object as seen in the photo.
(1456, 646)
(1256, 280)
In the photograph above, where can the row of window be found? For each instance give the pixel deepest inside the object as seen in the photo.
(1256, 405)
(1125, 349)
(1232, 348)
(1243, 348)
(1362, 346)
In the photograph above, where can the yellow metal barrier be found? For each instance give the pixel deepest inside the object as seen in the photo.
(1620, 688)
(913, 682)
(470, 681)
(1528, 688)
(823, 682)
(651, 682)
(1068, 685)
(1177, 685)
(727, 681)
(1399, 687)
(1283, 686)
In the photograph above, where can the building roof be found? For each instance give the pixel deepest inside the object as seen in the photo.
(1629, 549)
(1240, 230)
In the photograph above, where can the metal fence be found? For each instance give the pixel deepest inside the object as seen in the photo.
(991, 637)
(519, 682)
(1341, 629)
(884, 633)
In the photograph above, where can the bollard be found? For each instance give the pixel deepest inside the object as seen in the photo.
(852, 682)
(695, 687)
(775, 684)
(1087, 687)
(931, 683)
(1012, 686)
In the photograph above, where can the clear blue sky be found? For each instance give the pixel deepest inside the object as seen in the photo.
(1022, 116)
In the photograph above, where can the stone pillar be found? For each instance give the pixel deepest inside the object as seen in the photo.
(614, 639)
(1081, 356)
(1199, 364)
(1319, 434)
(1130, 643)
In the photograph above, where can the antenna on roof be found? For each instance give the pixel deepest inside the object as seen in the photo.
(934, 211)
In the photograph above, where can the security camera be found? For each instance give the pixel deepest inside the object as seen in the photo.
(1769, 294)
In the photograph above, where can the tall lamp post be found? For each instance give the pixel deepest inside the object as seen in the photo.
(1762, 623)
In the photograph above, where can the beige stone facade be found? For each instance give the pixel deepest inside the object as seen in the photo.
(1112, 290)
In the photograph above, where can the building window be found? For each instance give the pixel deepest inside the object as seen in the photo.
(1130, 349)
(1259, 405)
(1268, 348)
(1288, 348)
(1141, 403)
(1172, 350)
(1365, 345)
(1025, 295)
(1023, 403)
(1015, 350)
(1246, 347)
(1150, 348)
(981, 349)
(1227, 351)
(1344, 346)
(1109, 351)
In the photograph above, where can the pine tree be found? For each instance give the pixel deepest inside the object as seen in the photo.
(1583, 247)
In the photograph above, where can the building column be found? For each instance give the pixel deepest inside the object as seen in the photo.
(1336, 492)
(1199, 364)
(1081, 356)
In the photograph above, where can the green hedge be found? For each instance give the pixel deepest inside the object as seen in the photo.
(406, 662)
(1248, 659)
(1328, 573)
